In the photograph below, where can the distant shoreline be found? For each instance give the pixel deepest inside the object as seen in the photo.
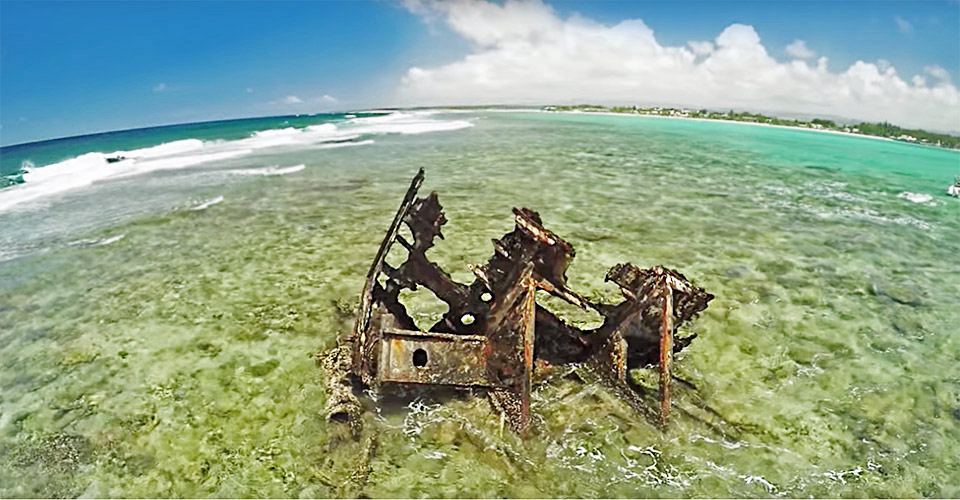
(757, 124)
(679, 114)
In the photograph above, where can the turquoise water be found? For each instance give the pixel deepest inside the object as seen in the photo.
(150, 349)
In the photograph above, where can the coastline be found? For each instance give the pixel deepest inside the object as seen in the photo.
(639, 115)
(786, 127)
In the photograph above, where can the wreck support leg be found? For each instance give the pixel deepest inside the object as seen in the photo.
(666, 352)
(529, 309)
(510, 355)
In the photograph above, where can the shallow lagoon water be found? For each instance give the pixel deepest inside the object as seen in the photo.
(152, 350)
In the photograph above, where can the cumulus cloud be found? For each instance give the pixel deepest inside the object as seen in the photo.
(701, 48)
(903, 25)
(524, 53)
(292, 99)
(328, 99)
(160, 87)
(937, 73)
(798, 50)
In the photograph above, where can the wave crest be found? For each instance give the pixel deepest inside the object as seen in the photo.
(35, 183)
(916, 197)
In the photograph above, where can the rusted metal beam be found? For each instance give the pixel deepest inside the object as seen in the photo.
(366, 296)
(666, 350)
(510, 330)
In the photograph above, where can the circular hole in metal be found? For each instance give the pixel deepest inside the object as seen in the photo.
(486, 296)
(340, 416)
(419, 358)
(467, 319)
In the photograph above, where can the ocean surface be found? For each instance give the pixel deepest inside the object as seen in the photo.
(163, 293)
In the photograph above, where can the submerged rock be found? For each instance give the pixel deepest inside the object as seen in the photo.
(60, 453)
(737, 271)
(901, 294)
(263, 368)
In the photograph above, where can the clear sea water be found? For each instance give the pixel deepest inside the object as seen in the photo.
(159, 315)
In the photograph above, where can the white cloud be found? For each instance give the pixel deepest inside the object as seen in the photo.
(249, 90)
(524, 53)
(160, 87)
(328, 99)
(701, 48)
(798, 50)
(938, 73)
(292, 99)
(903, 25)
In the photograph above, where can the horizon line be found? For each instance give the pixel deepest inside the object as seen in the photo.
(400, 108)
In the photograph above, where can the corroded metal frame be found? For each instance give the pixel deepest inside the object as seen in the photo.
(493, 330)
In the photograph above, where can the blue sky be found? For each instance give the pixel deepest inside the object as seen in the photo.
(82, 67)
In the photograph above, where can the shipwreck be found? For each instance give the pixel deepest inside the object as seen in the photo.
(494, 336)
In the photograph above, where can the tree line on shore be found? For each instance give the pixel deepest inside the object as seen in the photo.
(883, 129)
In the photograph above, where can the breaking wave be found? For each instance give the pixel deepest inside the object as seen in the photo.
(915, 197)
(34, 183)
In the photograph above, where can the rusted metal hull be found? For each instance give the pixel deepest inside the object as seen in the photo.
(494, 333)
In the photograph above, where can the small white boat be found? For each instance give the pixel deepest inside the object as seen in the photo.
(954, 190)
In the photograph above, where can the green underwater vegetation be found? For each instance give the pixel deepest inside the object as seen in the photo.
(178, 360)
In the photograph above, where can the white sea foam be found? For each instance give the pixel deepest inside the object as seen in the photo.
(841, 476)
(208, 203)
(323, 127)
(166, 149)
(761, 481)
(112, 239)
(915, 197)
(344, 144)
(779, 190)
(96, 243)
(269, 171)
(834, 190)
(854, 213)
(874, 216)
(418, 122)
(87, 169)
